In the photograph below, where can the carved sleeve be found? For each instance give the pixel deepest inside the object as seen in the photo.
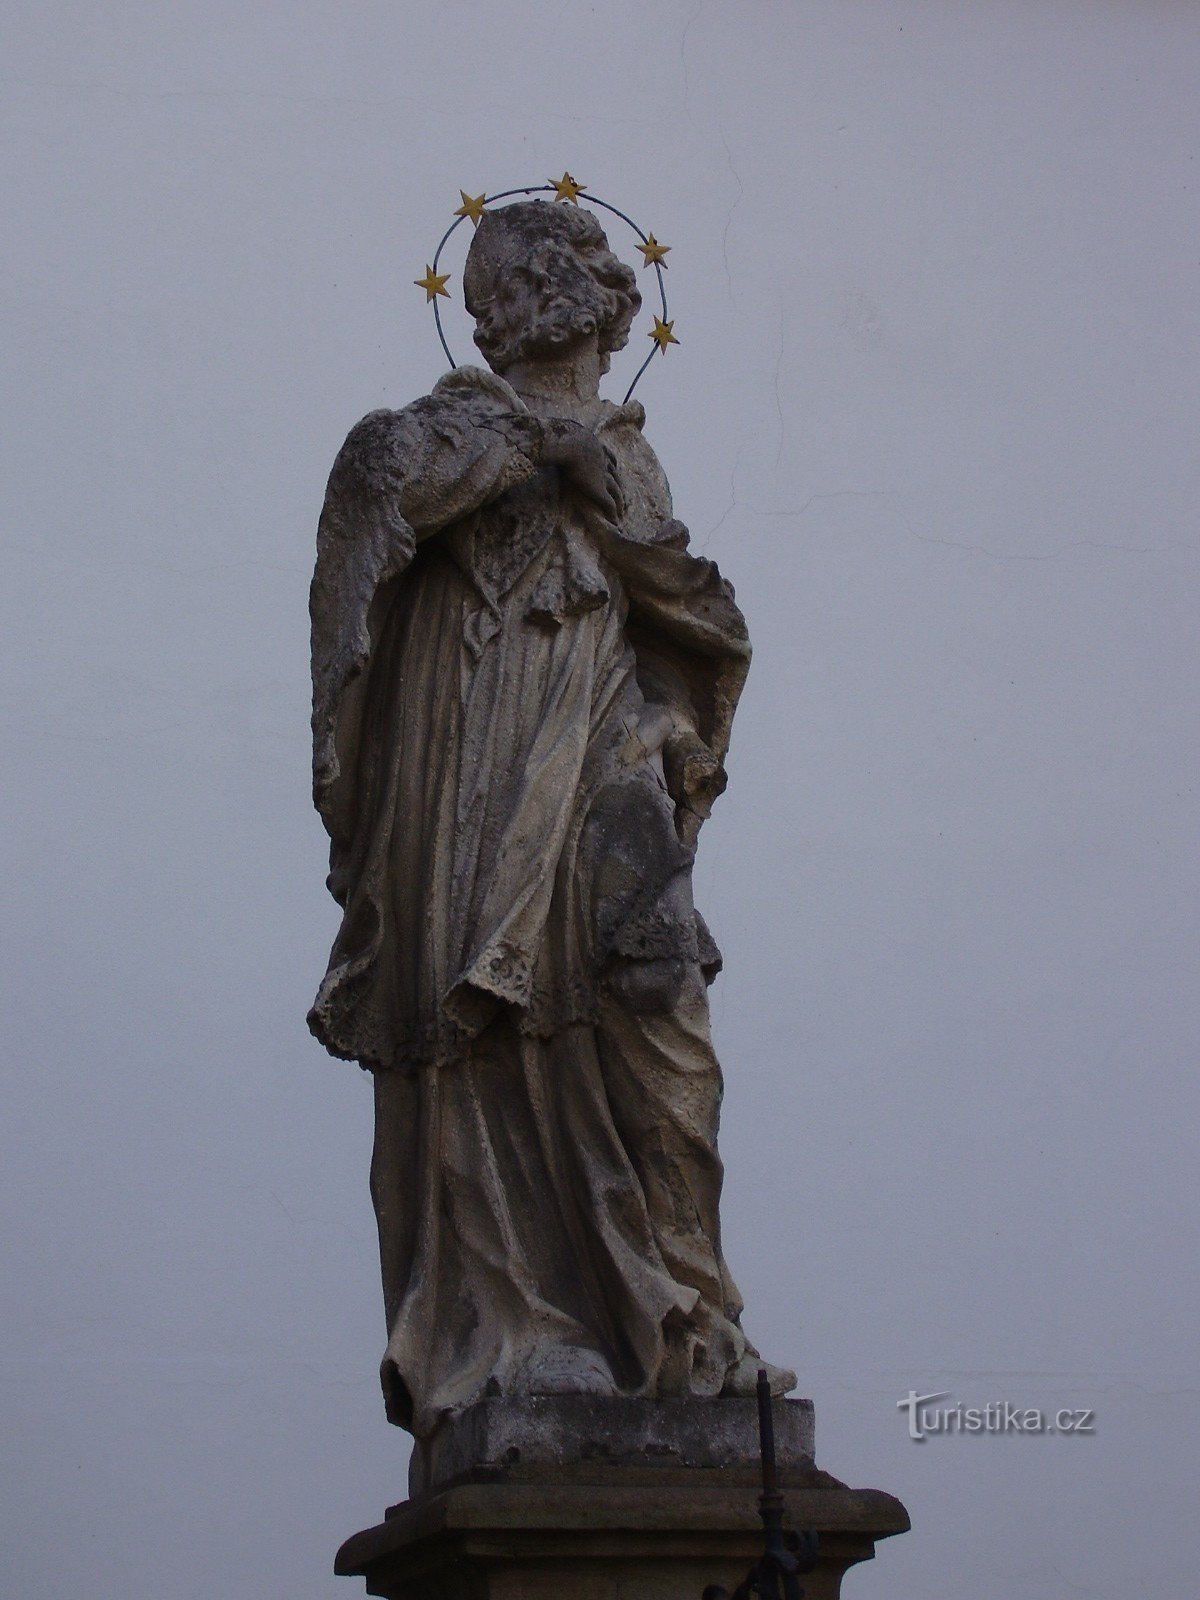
(400, 476)
(448, 453)
(688, 635)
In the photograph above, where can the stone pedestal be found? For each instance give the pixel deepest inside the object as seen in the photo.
(566, 1431)
(654, 1501)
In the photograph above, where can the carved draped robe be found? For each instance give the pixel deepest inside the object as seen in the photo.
(519, 962)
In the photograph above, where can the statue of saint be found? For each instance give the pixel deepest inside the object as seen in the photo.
(523, 688)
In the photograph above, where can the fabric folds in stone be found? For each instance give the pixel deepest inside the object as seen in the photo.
(496, 671)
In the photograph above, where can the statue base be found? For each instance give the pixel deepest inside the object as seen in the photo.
(558, 1514)
(569, 1430)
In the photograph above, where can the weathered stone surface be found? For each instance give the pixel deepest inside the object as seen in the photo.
(524, 685)
(609, 1534)
(569, 1430)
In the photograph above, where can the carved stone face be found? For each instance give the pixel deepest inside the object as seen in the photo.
(540, 279)
(539, 306)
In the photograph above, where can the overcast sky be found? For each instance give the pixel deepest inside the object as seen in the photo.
(934, 411)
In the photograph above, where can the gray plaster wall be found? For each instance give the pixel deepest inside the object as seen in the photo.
(934, 412)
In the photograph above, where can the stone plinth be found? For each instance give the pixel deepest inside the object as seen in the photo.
(567, 1430)
(555, 1516)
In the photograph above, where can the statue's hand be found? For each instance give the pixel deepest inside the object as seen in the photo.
(585, 465)
(694, 775)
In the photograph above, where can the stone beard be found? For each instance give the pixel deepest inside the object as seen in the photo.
(523, 689)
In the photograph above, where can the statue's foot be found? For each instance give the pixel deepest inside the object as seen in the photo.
(742, 1380)
(569, 1369)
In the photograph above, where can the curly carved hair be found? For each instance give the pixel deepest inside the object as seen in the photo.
(558, 240)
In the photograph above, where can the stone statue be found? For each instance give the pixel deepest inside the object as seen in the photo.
(523, 688)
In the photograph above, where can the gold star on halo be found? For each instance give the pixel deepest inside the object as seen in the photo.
(662, 335)
(567, 188)
(472, 206)
(433, 283)
(653, 252)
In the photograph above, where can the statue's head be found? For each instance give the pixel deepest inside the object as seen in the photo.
(540, 278)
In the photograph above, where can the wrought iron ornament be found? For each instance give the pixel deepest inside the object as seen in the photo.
(565, 189)
(785, 1555)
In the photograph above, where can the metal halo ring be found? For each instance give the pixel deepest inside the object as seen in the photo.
(549, 188)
